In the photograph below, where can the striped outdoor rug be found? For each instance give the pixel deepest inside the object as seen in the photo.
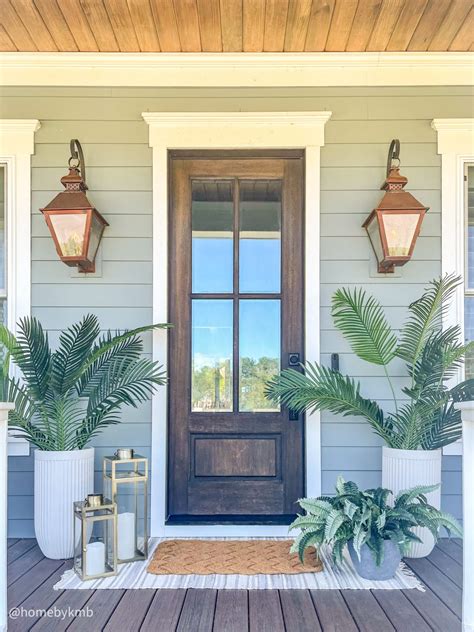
(135, 576)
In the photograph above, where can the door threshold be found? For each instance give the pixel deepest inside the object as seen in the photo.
(237, 520)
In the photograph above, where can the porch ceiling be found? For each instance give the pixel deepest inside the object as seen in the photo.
(236, 25)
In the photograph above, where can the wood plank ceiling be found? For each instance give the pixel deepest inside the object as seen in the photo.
(236, 25)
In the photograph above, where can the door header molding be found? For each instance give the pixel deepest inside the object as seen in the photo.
(231, 130)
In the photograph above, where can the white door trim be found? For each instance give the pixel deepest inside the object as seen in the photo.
(456, 146)
(231, 130)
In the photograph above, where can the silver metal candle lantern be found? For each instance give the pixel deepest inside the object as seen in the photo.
(126, 482)
(95, 537)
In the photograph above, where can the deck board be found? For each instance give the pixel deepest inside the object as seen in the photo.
(232, 611)
(400, 611)
(298, 606)
(360, 602)
(32, 578)
(265, 614)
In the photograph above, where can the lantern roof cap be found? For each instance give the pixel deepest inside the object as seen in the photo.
(396, 198)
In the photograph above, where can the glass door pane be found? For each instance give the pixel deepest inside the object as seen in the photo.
(212, 236)
(259, 352)
(260, 236)
(212, 344)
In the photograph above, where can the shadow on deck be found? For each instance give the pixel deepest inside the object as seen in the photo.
(31, 578)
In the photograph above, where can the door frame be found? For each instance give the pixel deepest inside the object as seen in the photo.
(231, 130)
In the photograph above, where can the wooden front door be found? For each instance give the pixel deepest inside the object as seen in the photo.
(236, 303)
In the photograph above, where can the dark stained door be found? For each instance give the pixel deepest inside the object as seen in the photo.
(236, 303)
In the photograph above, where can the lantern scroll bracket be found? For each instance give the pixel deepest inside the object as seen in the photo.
(393, 154)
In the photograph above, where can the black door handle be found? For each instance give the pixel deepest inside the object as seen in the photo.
(294, 361)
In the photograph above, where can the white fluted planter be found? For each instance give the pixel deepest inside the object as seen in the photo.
(60, 479)
(402, 469)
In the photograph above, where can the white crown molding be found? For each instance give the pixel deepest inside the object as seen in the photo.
(236, 69)
(455, 135)
(175, 119)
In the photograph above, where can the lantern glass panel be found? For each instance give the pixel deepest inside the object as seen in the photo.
(97, 228)
(70, 231)
(399, 231)
(126, 482)
(374, 236)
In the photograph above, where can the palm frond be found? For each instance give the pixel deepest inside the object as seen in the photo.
(322, 388)
(75, 344)
(426, 315)
(363, 323)
(126, 349)
(33, 356)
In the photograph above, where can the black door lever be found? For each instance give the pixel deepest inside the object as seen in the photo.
(293, 362)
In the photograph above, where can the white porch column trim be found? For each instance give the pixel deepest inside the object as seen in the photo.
(16, 146)
(456, 146)
(467, 413)
(4, 408)
(231, 130)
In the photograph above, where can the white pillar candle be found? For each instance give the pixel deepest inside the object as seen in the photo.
(126, 536)
(95, 558)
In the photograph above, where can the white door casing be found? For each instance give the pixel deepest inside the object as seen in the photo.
(231, 130)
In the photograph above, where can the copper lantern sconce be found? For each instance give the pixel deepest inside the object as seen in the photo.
(393, 227)
(75, 225)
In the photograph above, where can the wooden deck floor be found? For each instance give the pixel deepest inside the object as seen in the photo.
(31, 578)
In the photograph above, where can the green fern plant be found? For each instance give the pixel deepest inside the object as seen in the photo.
(366, 518)
(67, 396)
(424, 416)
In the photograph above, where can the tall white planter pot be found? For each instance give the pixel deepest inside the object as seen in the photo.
(402, 469)
(60, 479)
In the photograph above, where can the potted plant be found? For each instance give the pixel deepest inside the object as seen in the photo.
(63, 399)
(416, 429)
(378, 534)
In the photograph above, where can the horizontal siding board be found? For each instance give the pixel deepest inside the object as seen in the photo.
(358, 271)
(360, 458)
(86, 295)
(96, 155)
(113, 202)
(375, 155)
(371, 178)
(98, 178)
(113, 249)
(113, 272)
(124, 226)
(336, 249)
(350, 225)
(124, 318)
(108, 131)
(363, 201)
(191, 92)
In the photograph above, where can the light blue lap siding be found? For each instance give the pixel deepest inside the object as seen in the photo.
(115, 140)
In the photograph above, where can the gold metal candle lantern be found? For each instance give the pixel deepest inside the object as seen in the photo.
(95, 537)
(126, 482)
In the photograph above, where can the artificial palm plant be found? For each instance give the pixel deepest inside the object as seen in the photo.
(65, 397)
(424, 417)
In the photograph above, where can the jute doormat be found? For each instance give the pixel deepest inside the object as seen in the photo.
(230, 557)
